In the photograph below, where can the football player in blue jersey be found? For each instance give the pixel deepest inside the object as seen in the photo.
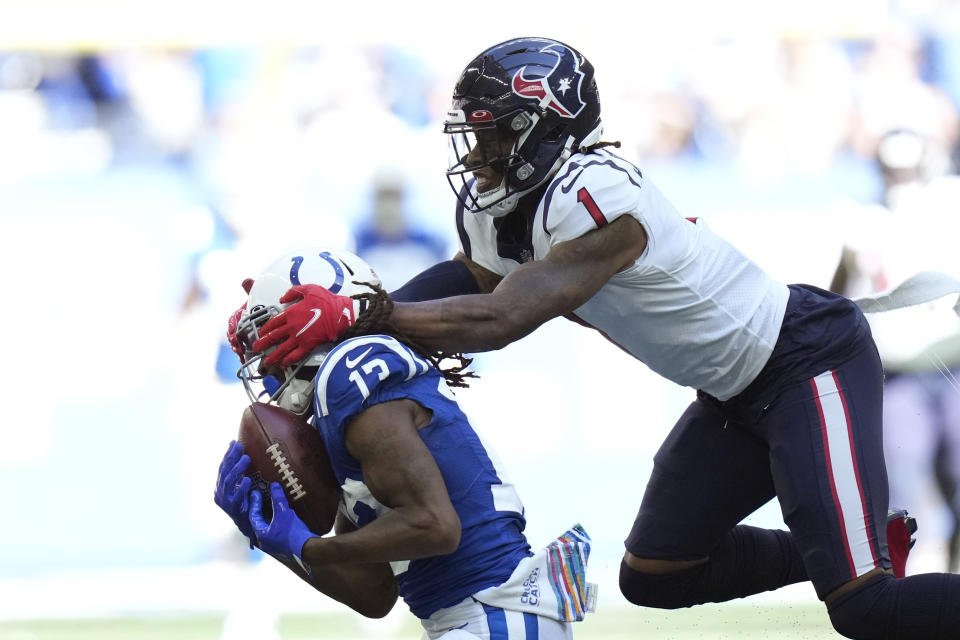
(422, 496)
(789, 384)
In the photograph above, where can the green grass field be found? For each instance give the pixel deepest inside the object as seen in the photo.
(734, 621)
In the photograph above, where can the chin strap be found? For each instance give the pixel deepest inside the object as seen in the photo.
(509, 203)
(297, 395)
(502, 208)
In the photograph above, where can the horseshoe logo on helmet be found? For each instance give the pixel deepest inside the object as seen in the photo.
(559, 88)
(337, 271)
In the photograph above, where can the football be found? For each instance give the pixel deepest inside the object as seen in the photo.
(284, 448)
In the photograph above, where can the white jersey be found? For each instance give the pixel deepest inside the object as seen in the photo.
(691, 307)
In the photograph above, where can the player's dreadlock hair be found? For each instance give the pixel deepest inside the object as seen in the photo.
(600, 145)
(375, 318)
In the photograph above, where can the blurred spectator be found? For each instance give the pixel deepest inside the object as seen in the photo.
(406, 85)
(891, 93)
(387, 238)
(733, 80)
(915, 229)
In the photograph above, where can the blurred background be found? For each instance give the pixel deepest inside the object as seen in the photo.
(154, 155)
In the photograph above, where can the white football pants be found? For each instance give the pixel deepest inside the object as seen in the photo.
(471, 620)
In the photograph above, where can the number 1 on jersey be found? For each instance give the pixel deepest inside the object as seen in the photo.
(584, 197)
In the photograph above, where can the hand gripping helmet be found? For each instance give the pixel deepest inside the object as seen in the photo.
(536, 92)
(340, 272)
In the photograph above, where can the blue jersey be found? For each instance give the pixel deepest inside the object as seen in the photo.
(365, 371)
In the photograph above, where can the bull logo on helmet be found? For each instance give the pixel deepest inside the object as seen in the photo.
(558, 88)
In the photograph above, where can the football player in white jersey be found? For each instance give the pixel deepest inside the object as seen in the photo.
(426, 512)
(789, 385)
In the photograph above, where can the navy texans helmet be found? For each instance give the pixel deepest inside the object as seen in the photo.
(520, 109)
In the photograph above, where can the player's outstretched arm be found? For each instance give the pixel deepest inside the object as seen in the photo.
(369, 588)
(530, 295)
(401, 474)
(317, 316)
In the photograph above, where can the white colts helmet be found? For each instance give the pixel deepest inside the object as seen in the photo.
(339, 272)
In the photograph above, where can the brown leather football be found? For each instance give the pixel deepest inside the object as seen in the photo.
(284, 448)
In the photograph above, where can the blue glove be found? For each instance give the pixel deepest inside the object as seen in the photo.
(232, 490)
(284, 536)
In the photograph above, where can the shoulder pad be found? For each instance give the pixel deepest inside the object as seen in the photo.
(590, 191)
(355, 368)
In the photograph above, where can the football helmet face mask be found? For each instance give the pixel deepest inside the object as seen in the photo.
(340, 272)
(520, 110)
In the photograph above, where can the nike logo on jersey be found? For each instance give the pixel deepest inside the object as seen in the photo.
(316, 316)
(355, 361)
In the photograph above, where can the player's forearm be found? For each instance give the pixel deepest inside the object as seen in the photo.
(462, 323)
(370, 589)
(394, 536)
(475, 323)
(528, 297)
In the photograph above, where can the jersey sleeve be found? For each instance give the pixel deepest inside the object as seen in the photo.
(364, 371)
(591, 191)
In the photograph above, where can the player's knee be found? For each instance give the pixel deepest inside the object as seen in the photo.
(859, 613)
(669, 590)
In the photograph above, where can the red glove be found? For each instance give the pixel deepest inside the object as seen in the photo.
(317, 318)
(234, 319)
